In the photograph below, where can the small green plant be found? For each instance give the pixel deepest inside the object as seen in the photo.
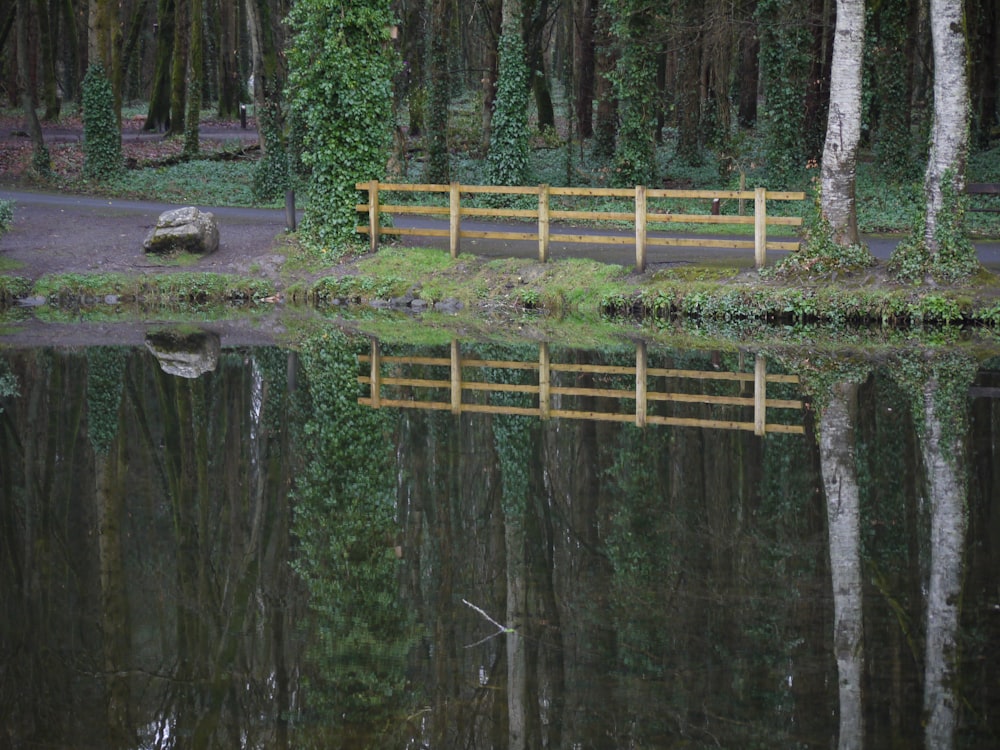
(102, 142)
(6, 215)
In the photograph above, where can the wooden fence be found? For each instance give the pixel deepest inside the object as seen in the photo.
(547, 391)
(543, 216)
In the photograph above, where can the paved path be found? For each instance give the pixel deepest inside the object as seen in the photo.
(138, 216)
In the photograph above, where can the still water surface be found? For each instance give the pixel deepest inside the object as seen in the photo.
(523, 547)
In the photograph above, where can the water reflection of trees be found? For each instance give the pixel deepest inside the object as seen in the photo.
(143, 558)
(662, 585)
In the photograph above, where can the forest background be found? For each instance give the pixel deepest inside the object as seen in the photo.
(666, 93)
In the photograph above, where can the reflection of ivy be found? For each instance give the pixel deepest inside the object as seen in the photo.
(344, 521)
(8, 382)
(105, 366)
(953, 373)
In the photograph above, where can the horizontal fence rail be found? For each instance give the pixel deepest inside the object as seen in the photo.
(544, 215)
(469, 377)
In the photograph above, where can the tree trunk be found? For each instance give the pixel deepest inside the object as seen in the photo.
(536, 16)
(950, 131)
(41, 152)
(439, 85)
(192, 133)
(947, 490)
(843, 511)
(491, 65)
(584, 64)
(689, 95)
(158, 117)
(605, 127)
(178, 67)
(228, 71)
(50, 94)
(843, 130)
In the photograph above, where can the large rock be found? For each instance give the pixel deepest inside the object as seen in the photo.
(183, 230)
(186, 354)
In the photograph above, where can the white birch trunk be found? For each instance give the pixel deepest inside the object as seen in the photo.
(947, 492)
(843, 511)
(843, 127)
(950, 131)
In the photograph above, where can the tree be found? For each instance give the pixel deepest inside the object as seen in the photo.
(40, 159)
(341, 67)
(507, 160)
(439, 85)
(843, 130)
(940, 248)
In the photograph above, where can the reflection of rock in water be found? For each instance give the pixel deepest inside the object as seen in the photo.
(186, 354)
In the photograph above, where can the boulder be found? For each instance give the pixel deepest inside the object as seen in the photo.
(183, 230)
(186, 354)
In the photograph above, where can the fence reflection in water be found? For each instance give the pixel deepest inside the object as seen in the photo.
(547, 389)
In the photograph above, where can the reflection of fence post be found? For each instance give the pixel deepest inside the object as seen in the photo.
(373, 215)
(759, 227)
(640, 384)
(640, 228)
(375, 376)
(456, 378)
(543, 223)
(543, 380)
(759, 395)
(454, 218)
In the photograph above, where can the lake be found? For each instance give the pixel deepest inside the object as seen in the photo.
(363, 543)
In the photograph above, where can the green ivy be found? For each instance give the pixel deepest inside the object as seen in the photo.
(272, 176)
(344, 506)
(635, 85)
(6, 215)
(102, 141)
(507, 160)
(105, 370)
(785, 58)
(819, 253)
(341, 65)
(953, 259)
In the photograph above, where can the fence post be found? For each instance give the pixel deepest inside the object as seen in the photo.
(640, 228)
(373, 221)
(544, 376)
(640, 384)
(376, 374)
(454, 219)
(759, 395)
(543, 223)
(456, 378)
(759, 227)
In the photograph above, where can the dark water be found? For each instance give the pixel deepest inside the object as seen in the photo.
(253, 558)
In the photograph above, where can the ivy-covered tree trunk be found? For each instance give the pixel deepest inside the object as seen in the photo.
(341, 67)
(439, 86)
(944, 180)
(507, 160)
(271, 177)
(785, 59)
(605, 126)
(635, 85)
(843, 130)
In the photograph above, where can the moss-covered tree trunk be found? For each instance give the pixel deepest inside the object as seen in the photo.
(158, 115)
(192, 133)
(40, 160)
(178, 67)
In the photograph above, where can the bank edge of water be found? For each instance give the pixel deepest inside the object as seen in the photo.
(521, 287)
